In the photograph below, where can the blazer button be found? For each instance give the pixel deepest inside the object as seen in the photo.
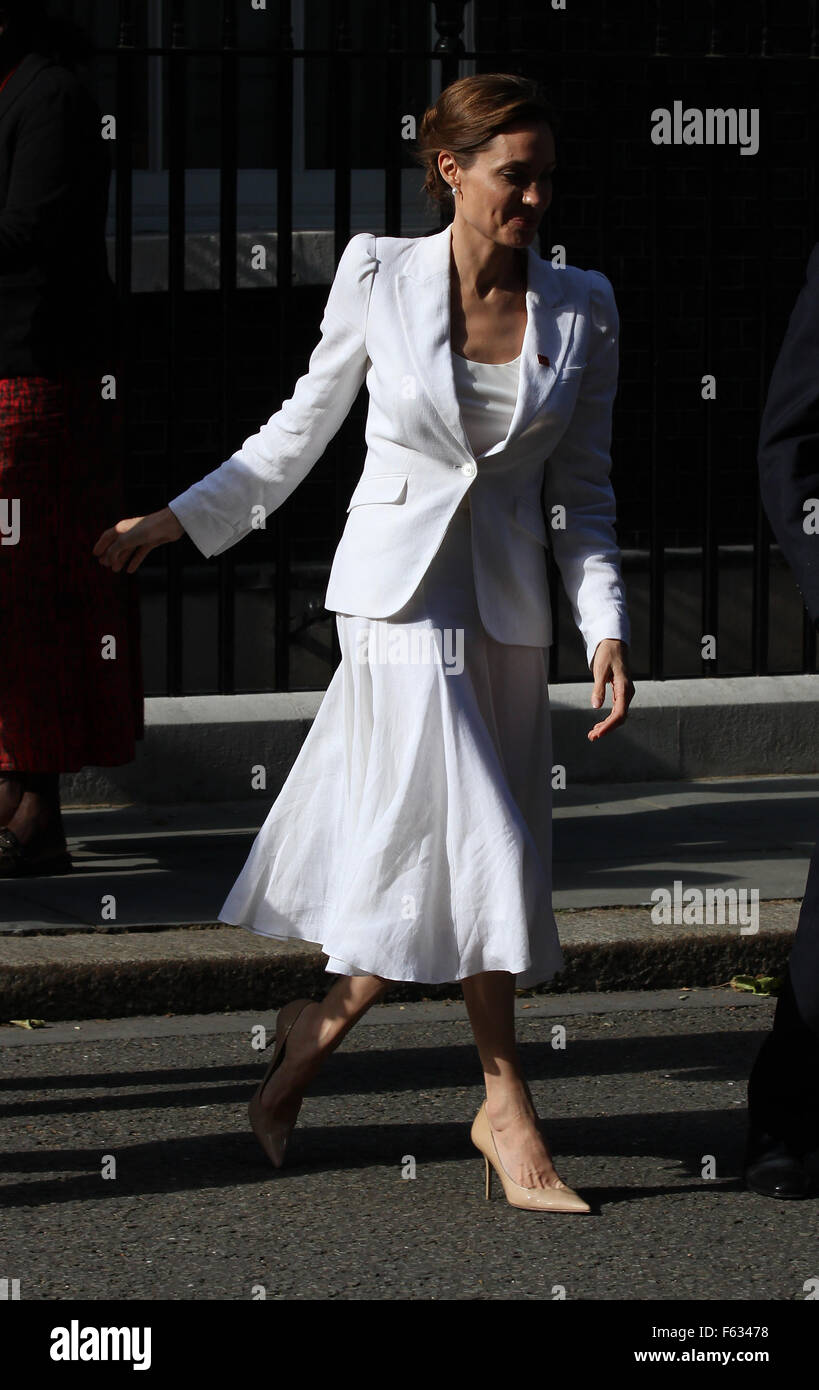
(469, 469)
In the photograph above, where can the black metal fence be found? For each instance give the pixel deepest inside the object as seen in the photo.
(706, 248)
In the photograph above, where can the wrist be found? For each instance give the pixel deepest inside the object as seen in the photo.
(175, 527)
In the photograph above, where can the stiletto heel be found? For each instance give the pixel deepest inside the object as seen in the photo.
(272, 1134)
(531, 1198)
(488, 1178)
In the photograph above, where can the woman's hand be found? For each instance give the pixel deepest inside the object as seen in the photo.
(134, 538)
(610, 667)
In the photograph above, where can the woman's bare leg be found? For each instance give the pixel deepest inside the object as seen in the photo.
(318, 1030)
(490, 1001)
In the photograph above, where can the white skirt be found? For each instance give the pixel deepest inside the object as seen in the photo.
(412, 838)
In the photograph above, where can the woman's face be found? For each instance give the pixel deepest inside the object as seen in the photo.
(509, 187)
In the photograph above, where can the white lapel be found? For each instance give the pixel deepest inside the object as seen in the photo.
(423, 290)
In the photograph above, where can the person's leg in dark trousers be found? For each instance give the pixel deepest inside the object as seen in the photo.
(783, 1088)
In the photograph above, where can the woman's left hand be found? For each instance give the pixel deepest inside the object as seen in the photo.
(610, 667)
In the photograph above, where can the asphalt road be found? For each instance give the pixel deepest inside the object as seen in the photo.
(644, 1090)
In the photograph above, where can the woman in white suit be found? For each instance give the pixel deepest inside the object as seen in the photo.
(412, 837)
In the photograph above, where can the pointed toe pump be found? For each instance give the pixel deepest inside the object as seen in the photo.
(530, 1198)
(272, 1134)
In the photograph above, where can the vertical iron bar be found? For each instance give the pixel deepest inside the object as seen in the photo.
(709, 596)
(340, 74)
(809, 634)
(760, 634)
(284, 301)
(227, 293)
(176, 148)
(710, 539)
(656, 537)
(340, 108)
(449, 22)
(393, 91)
(123, 244)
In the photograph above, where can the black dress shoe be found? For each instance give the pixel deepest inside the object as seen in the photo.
(773, 1168)
(19, 859)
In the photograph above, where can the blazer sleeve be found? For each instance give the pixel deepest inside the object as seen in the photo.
(788, 454)
(577, 477)
(218, 511)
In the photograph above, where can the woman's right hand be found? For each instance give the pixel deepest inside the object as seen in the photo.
(133, 538)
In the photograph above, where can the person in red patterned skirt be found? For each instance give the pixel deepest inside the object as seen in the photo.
(71, 692)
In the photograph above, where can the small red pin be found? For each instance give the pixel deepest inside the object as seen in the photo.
(544, 361)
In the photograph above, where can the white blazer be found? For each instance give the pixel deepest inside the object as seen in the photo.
(387, 322)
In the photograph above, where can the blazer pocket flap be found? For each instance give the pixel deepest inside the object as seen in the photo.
(379, 487)
(571, 369)
(529, 516)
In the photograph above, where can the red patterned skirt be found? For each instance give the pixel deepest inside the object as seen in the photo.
(71, 692)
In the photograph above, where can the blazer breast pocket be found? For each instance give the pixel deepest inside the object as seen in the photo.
(570, 372)
(379, 487)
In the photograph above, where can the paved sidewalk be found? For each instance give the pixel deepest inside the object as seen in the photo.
(170, 868)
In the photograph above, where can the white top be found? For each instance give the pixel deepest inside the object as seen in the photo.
(487, 393)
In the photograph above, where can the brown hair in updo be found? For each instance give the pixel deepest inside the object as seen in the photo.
(469, 114)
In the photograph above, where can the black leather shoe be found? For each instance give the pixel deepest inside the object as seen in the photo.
(20, 860)
(773, 1168)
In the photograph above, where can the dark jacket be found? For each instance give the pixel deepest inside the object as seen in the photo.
(57, 299)
(788, 454)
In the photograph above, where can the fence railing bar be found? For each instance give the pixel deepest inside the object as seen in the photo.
(174, 396)
(760, 637)
(284, 303)
(228, 206)
(656, 576)
(709, 598)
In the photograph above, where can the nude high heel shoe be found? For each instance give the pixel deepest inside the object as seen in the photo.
(271, 1133)
(531, 1198)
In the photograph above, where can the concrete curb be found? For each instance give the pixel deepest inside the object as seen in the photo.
(99, 974)
(204, 748)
